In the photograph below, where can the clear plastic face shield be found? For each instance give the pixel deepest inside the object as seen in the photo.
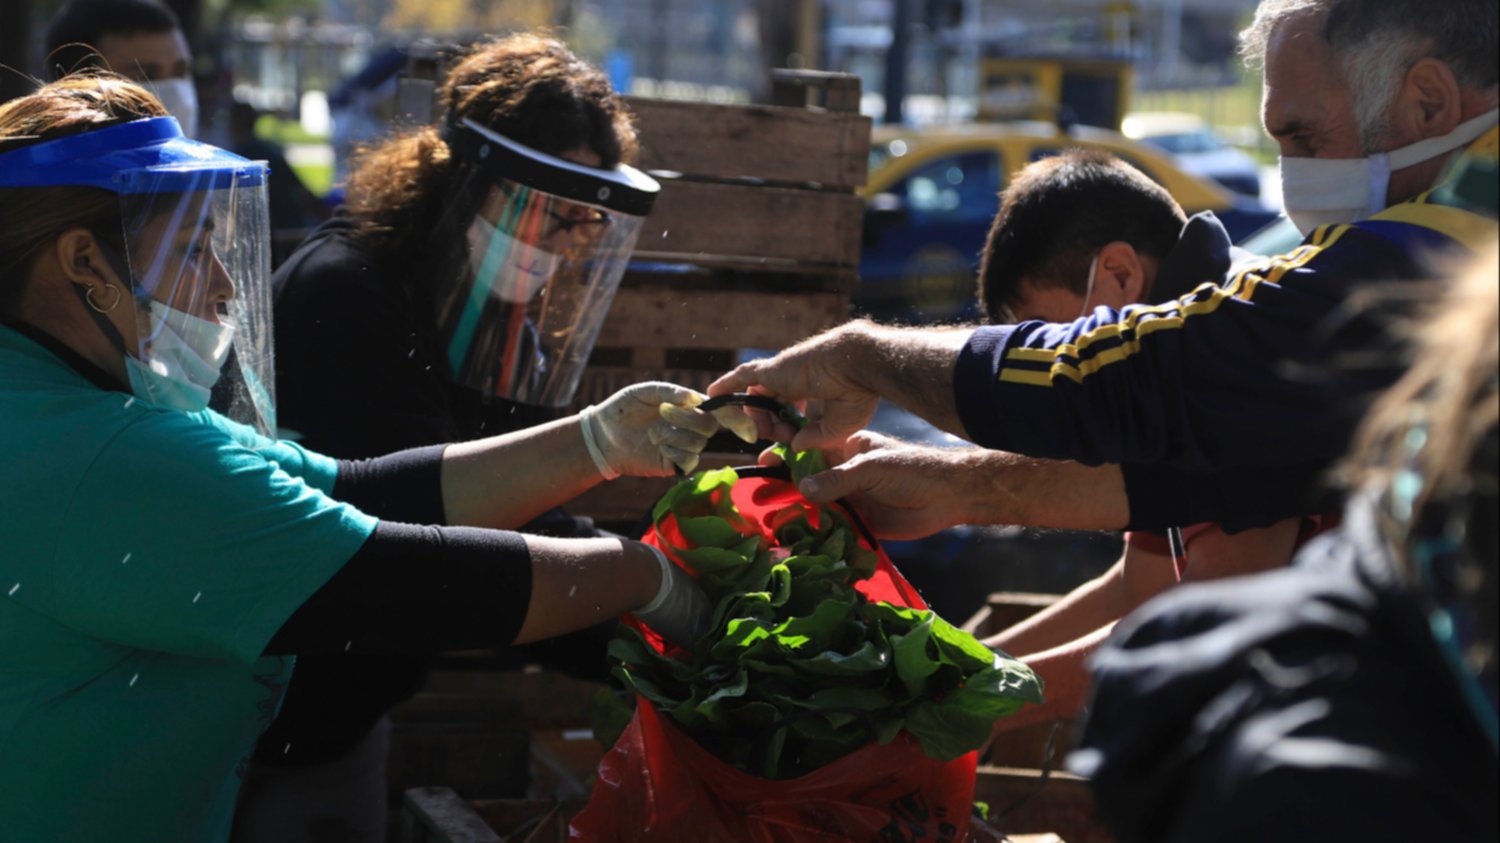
(545, 252)
(194, 272)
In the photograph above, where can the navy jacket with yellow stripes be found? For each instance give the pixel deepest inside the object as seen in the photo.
(1230, 403)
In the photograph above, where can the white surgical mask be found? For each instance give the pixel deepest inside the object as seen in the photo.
(514, 271)
(1318, 191)
(180, 98)
(184, 359)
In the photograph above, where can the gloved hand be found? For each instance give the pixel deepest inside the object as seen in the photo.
(680, 612)
(643, 430)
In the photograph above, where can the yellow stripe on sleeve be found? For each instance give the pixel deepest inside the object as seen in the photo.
(1168, 316)
(1473, 231)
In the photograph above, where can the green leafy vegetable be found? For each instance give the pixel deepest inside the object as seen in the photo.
(799, 668)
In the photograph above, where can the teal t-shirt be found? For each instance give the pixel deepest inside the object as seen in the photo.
(147, 556)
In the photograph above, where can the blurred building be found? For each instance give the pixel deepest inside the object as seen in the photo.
(1167, 43)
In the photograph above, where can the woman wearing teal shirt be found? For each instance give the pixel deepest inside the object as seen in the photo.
(164, 557)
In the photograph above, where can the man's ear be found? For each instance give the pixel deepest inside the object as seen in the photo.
(1429, 104)
(1121, 270)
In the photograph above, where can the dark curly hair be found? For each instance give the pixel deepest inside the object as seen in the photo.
(528, 87)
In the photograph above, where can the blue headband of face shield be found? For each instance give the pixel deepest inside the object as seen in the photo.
(142, 156)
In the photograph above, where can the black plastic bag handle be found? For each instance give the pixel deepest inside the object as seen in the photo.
(744, 399)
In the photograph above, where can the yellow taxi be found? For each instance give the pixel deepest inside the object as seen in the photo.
(933, 192)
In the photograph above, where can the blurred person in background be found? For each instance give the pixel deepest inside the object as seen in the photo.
(165, 556)
(293, 206)
(138, 39)
(455, 295)
(1353, 696)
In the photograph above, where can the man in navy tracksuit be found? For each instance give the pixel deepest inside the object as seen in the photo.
(1227, 404)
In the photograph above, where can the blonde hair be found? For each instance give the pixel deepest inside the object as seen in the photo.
(1450, 394)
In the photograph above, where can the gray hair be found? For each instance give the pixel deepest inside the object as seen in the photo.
(1377, 41)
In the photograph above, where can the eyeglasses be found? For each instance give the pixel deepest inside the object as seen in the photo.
(589, 219)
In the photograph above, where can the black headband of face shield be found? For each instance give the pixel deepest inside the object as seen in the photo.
(504, 162)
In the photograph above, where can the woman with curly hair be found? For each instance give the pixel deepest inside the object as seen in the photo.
(456, 295)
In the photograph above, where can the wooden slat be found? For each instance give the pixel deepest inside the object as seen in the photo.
(600, 382)
(765, 225)
(1022, 802)
(1004, 609)
(659, 317)
(1028, 746)
(835, 91)
(438, 815)
(773, 143)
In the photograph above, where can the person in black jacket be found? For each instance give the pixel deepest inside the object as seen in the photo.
(438, 306)
(1352, 696)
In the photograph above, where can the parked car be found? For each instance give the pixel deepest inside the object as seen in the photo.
(1277, 238)
(1198, 150)
(932, 194)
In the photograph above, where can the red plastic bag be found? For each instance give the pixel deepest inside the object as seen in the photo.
(657, 785)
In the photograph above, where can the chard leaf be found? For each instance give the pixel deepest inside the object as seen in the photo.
(833, 546)
(948, 729)
(709, 531)
(815, 753)
(912, 654)
(781, 585)
(740, 636)
(632, 651)
(863, 562)
(863, 699)
(705, 493)
(961, 648)
(646, 688)
(887, 728)
(867, 659)
(710, 560)
(710, 709)
(819, 627)
(772, 763)
(1008, 680)
(768, 668)
(756, 713)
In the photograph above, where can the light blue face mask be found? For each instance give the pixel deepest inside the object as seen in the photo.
(185, 357)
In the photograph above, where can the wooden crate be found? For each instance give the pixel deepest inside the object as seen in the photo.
(1025, 801)
(475, 745)
(753, 244)
(438, 815)
(1039, 744)
(1004, 609)
(489, 734)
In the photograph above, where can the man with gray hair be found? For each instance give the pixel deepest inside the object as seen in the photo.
(1230, 403)
(1367, 98)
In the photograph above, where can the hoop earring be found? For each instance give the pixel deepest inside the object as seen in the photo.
(115, 302)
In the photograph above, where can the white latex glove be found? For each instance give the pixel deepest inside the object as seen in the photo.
(680, 611)
(645, 429)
